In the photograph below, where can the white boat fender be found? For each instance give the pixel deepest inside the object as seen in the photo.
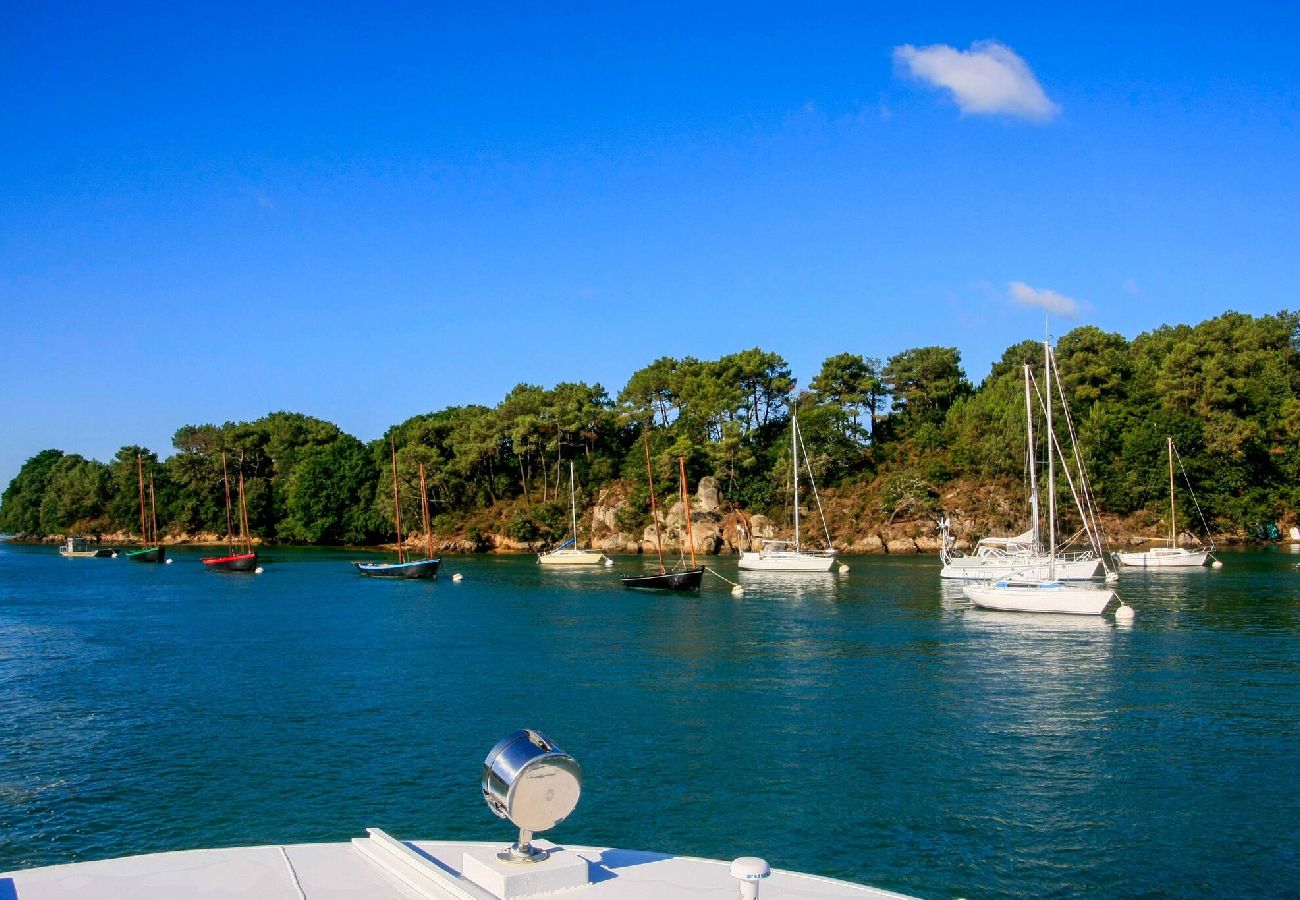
(1124, 613)
(457, 577)
(749, 871)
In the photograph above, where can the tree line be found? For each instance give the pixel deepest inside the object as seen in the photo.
(1227, 390)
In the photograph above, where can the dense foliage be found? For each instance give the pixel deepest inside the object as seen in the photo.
(1227, 390)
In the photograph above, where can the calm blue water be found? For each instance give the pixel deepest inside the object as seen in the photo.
(870, 727)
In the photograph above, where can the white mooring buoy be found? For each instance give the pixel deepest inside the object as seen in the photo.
(844, 569)
(1217, 564)
(258, 571)
(737, 591)
(457, 577)
(1124, 613)
(169, 560)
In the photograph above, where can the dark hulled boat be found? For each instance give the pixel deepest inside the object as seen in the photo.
(246, 559)
(238, 562)
(679, 580)
(405, 569)
(420, 568)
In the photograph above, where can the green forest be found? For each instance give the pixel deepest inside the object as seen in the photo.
(900, 431)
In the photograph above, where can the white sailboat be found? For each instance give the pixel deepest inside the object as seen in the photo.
(789, 556)
(1029, 592)
(568, 554)
(1021, 555)
(1173, 556)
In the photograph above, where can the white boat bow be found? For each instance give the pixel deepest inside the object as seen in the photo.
(379, 867)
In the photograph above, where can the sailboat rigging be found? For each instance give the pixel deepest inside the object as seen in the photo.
(789, 556)
(1173, 556)
(403, 569)
(152, 551)
(568, 554)
(241, 558)
(677, 579)
(1029, 591)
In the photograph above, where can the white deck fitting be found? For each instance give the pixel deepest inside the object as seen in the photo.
(342, 871)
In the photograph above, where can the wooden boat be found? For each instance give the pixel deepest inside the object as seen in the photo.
(403, 569)
(82, 548)
(1173, 556)
(789, 556)
(568, 554)
(246, 559)
(152, 551)
(665, 580)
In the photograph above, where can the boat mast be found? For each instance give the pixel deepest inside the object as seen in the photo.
(1036, 545)
(397, 504)
(686, 507)
(139, 471)
(1173, 540)
(230, 529)
(794, 446)
(245, 532)
(654, 507)
(1051, 465)
(573, 506)
(424, 509)
(153, 508)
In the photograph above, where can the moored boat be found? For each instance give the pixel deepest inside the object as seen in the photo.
(82, 548)
(1034, 595)
(789, 556)
(405, 569)
(568, 553)
(152, 551)
(1173, 556)
(680, 579)
(246, 559)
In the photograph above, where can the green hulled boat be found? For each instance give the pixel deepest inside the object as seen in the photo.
(152, 551)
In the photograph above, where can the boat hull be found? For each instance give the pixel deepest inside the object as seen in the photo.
(681, 580)
(975, 568)
(407, 571)
(147, 554)
(238, 562)
(570, 558)
(1041, 597)
(1164, 558)
(786, 561)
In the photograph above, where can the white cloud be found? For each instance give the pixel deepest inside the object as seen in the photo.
(987, 79)
(1131, 287)
(1042, 298)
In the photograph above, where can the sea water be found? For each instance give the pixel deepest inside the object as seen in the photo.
(869, 726)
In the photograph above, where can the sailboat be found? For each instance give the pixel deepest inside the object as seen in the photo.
(1021, 555)
(1028, 591)
(152, 551)
(245, 560)
(665, 580)
(789, 556)
(404, 569)
(568, 554)
(1173, 556)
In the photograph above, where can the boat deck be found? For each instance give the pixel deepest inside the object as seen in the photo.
(354, 870)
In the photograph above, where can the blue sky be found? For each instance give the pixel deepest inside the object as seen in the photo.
(363, 213)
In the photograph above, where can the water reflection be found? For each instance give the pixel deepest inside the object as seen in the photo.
(790, 585)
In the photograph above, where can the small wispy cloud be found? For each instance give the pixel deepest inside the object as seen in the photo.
(263, 200)
(1131, 287)
(1042, 298)
(988, 79)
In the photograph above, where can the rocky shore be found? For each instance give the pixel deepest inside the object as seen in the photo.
(720, 527)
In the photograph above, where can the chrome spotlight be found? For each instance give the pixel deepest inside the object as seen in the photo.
(534, 784)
